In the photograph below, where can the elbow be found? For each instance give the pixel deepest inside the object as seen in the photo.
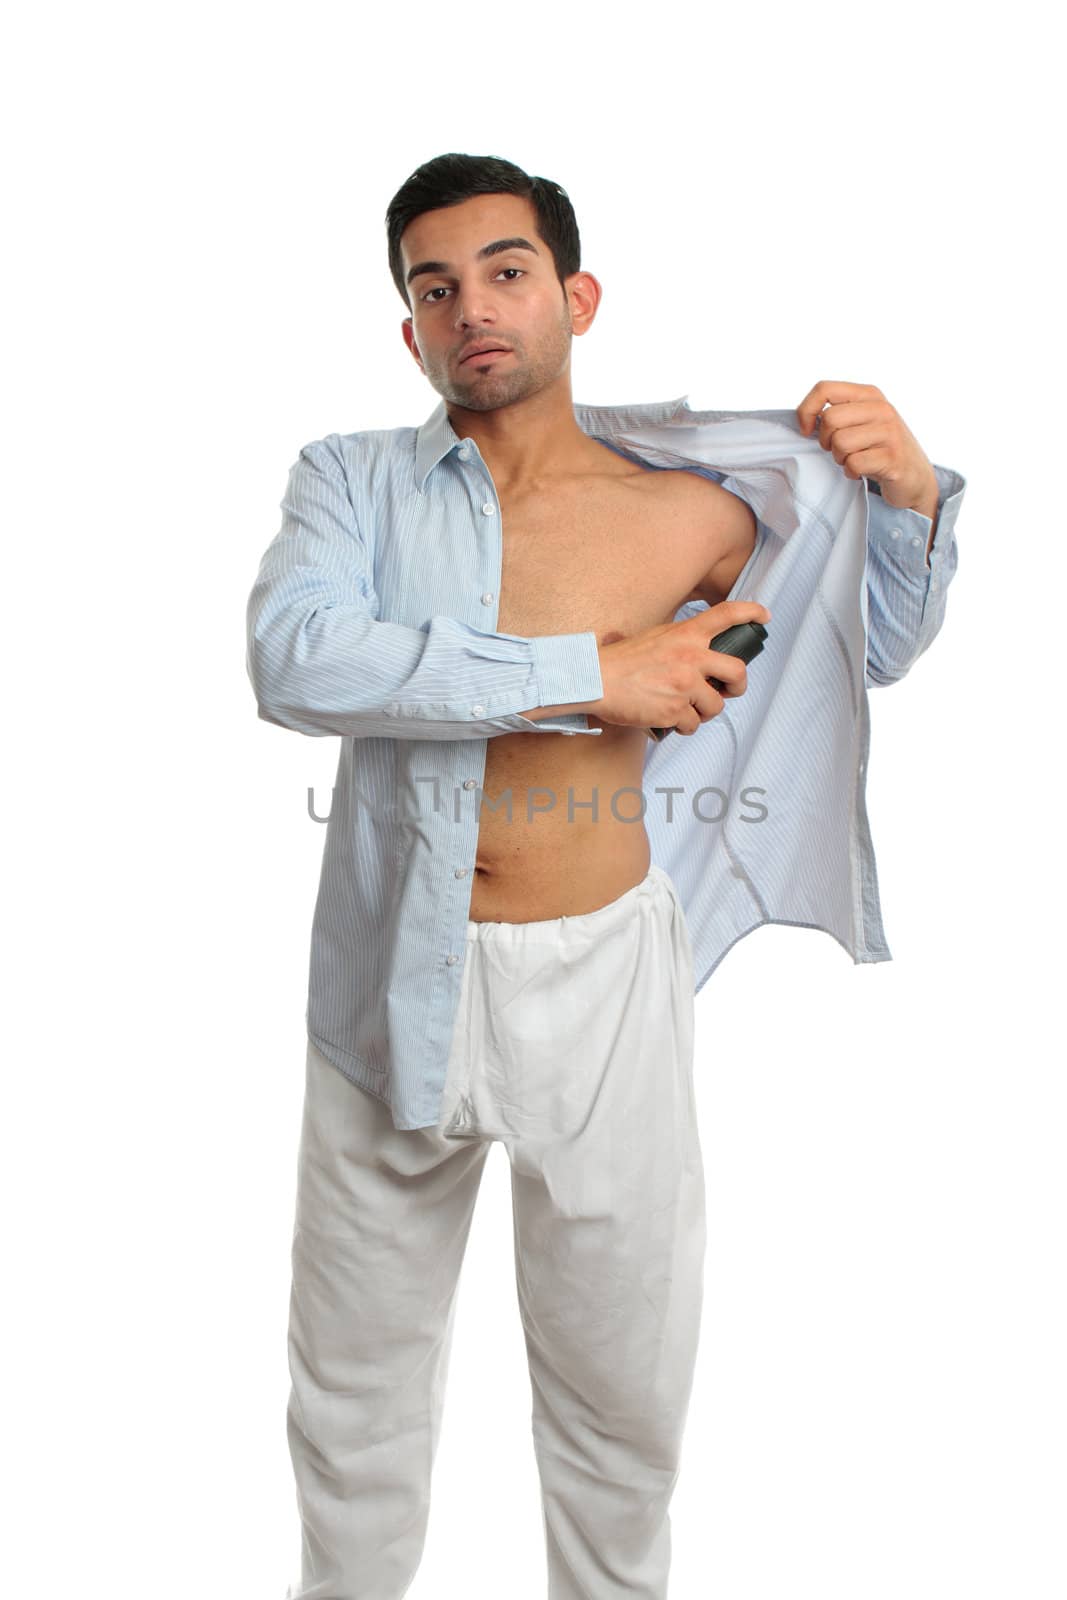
(308, 679)
(879, 677)
(272, 707)
(280, 717)
(273, 696)
(262, 680)
(881, 672)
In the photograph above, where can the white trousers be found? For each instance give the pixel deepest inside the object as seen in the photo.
(573, 1046)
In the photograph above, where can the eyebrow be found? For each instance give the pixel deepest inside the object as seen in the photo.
(493, 249)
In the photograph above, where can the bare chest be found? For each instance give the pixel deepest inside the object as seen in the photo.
(615, 555)
(618, 559)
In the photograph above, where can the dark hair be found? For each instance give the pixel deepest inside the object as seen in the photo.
(449, 179)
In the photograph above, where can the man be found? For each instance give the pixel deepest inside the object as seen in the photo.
(497, 955)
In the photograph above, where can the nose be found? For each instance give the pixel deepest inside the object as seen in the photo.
(473, 307)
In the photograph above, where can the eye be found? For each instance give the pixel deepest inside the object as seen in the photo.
(440, 288)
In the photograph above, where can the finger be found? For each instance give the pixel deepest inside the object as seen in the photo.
(810, 406)
(706, 703)
(836, 420)
(864, 452)
(725, 614)
(868, 436)
(727, 673)
(874, 464)
(831, 392)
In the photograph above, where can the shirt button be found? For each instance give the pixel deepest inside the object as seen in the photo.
(470, 783)
(461, 872)
(894, 533)
(464, 452)
(487, 598)
(477, 711)
(451, 960)
(488, 509)
(915, 541)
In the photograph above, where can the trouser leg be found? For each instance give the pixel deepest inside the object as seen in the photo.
(610, 1301)
(592, 1054)
(382, 1220)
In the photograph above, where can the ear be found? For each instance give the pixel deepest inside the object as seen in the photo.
(407, 328)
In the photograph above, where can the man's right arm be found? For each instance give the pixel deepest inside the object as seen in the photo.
(320, 663)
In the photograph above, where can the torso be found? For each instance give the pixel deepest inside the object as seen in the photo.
(616, 551)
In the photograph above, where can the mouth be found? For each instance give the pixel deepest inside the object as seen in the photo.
(485, 355)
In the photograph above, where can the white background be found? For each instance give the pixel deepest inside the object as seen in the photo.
(197, 287)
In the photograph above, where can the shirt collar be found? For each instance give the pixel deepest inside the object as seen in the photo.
(437, 438)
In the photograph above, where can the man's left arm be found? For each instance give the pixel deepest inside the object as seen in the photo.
(912, 509)
(911, 560)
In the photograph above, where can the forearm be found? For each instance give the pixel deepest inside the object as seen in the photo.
(927, 506)
(334, 670)
(911, 560)
(321, 662)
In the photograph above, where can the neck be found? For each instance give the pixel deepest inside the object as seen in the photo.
(528, 443)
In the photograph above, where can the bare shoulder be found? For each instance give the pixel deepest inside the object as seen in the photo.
(697, 495)
(727, 522)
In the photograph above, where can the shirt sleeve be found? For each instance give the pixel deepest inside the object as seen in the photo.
(320, 663)
(905, 595)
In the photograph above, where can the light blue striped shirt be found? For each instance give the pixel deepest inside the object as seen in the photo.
(372, 618)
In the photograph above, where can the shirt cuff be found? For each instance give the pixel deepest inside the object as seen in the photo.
(567, 666)
(904, 533)
(573, 722)
(567, 669)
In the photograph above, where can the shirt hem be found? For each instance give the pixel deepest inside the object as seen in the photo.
(860, 954)
(372, 1078)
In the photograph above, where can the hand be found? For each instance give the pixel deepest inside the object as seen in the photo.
(868, 438)
(659, 678)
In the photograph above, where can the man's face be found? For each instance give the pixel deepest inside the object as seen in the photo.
(511, 297)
